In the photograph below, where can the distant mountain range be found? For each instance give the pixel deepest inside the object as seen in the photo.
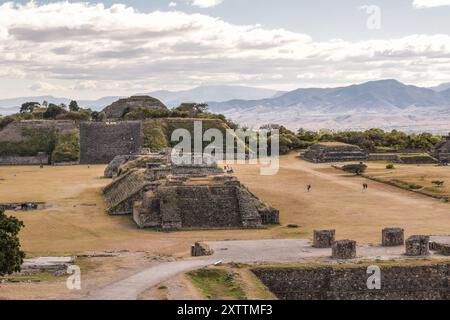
(387, 104)
(170, 98)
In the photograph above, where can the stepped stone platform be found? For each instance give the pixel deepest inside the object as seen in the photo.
(325, 152)
(169, 197)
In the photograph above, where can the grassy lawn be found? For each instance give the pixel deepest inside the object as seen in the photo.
(218, 284)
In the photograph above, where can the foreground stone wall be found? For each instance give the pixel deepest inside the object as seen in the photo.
(428, 282)
(101, 142)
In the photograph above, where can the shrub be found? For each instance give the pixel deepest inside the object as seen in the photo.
(357, 169)
(67, 148)
(155, 138)
(390, 166)
(438, 183)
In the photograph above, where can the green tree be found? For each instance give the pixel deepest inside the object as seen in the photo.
(193, 108)
(73, 106)
(28, 106)
(11, 257)
(52, 111)
(98, 116)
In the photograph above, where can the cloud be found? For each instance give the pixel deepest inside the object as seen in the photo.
(423, 4)
(172, 4)
(118, 50)
(205, 3)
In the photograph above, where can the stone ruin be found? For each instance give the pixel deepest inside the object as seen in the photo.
(324, 238)
(169, 197)
(417, 246)
(119, 108)
(100, 142)
(344, 249)
(324, 152)
(392, 237)
(441, 151)
(200, 249)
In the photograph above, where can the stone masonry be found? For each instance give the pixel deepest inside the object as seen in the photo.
(101, 142)
(392, 237)
(426, 281)
(418, 246)
(324, 238)
(344, 249)
(334, 152)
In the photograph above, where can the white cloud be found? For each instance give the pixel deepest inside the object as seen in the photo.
(206, 3)
(172, 4)
(118, 50)
(422, 4)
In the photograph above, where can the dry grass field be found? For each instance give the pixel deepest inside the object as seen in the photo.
(421, 178)
(75, 221)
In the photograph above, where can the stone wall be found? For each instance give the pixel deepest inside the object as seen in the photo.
(121, 193)
(13, 132)
(200, 207)
(178, 206)
(428, 282)
(101, 142)
(334, 152)
(23, 161)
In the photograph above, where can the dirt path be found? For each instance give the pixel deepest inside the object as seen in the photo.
(130, 288)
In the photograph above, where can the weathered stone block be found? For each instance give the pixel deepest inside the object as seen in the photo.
(344, 249)
(392, 237)
(200, 249)
(324, 238)
(444, 250)
(418, 245)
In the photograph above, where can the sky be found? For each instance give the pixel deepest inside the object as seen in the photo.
(86, 50)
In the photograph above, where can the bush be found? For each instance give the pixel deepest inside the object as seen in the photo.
(357, 169)
(155, 138)
(67, 148)
(438, 183)
(35, 141)
(390, 166)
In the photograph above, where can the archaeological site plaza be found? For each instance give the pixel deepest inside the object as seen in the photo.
(204, 159)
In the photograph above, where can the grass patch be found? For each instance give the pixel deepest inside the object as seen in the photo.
(217, 284)
(406, 185)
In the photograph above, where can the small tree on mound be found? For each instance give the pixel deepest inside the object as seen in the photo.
(357, 169)
(390, 166)
(11, 257)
